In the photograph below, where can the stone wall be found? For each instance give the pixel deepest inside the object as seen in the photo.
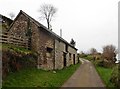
(71, 52)
(35, 46)
(46, 50)
(59, 49)
(19, 28)
(41, 41)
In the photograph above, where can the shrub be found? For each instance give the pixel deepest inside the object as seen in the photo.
(104, 63)
(99, 63)
(82, 55)
(115, 77)
(14, 59)
(108, 64)
(89, 57)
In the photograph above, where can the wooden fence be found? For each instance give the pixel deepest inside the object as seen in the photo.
(11, 39)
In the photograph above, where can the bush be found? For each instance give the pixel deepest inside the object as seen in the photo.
(104, 63)
(82, 55)
(99, 63)
(115, 77)
(89, 57)
(14, 59)
(108, 64)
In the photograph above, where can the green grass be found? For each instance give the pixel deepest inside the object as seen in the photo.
(89, 57)
(14, 47)
(105, 74)
(17, 49)
(39, 78)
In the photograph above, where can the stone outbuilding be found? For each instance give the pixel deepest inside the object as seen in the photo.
(53, 51)
(4, 23)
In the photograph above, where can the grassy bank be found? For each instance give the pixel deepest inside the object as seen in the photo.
(14, 48)
(39, 78)
(105, 74)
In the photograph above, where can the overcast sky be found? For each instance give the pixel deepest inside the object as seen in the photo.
(91, 23)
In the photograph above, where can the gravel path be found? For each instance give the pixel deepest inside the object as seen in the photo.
(85, 76)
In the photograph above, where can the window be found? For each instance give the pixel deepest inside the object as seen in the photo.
(49, 52)
(49, 49)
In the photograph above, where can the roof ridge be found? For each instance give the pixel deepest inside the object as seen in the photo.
(38, 23)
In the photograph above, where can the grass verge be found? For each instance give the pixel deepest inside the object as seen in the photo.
(105, 74)
(14, 47)
(39, 78)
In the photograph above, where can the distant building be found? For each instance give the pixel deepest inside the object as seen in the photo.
(5, 23)
(54, 52)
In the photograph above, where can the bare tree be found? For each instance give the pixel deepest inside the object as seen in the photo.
(12, 15)
(109, 53)
(47, 12)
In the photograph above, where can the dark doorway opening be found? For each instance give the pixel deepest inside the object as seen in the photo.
(74, 59)
(64, 60)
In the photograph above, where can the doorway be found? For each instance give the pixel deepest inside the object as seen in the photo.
(74, 59)
(64, 60)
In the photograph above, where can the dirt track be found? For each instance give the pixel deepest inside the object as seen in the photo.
(85, 76)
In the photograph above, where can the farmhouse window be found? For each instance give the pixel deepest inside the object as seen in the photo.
(49, 49)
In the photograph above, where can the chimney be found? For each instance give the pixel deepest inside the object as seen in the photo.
(60, 32)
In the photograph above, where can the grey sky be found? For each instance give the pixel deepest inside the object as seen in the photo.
(91, 23)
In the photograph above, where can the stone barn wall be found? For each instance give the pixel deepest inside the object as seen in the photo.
(46, 50)
(19, 27)
(41, 41)
(71, 53)
(62, 48)
(59, 49)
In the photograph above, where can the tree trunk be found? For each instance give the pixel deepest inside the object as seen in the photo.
(48, 24)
